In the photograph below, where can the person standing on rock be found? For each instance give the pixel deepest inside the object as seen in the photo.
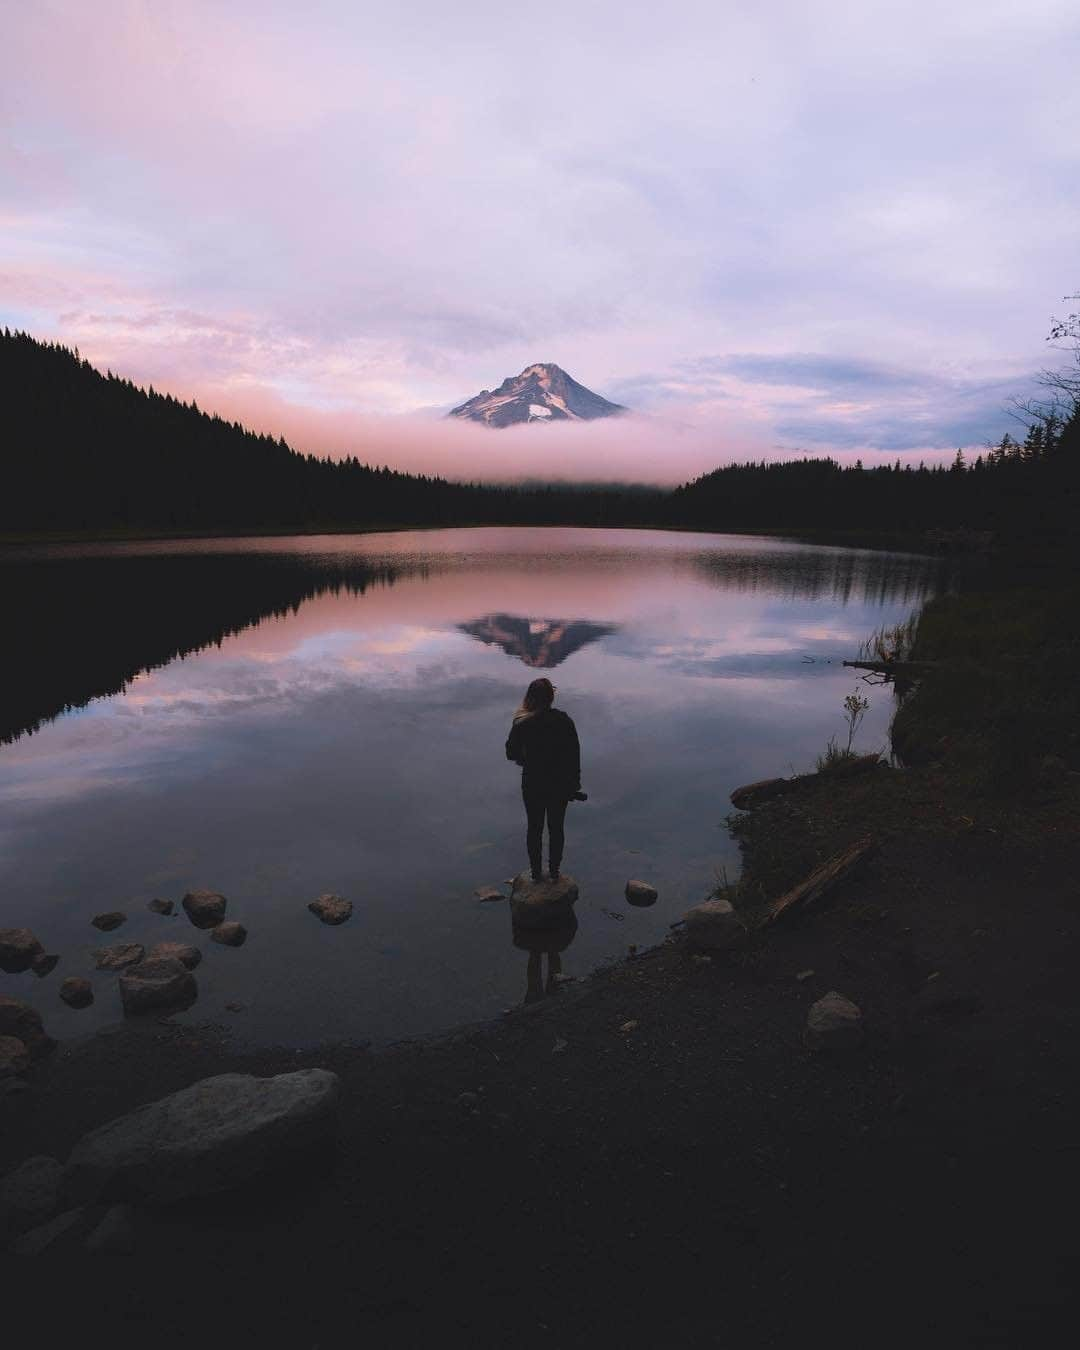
(544, 741)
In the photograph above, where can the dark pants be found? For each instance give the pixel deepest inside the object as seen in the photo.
(541, 803)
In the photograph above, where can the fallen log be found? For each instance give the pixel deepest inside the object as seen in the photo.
(823, 879)
(903, 669)
(754, 794)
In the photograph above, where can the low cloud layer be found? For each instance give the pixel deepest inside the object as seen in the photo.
(811, 228)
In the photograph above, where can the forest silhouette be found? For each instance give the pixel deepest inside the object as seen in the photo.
(93, 453)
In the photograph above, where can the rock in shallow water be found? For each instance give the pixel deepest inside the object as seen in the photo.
(640, 893)
(211, 1136)
(834, 1022)
(107, 922)
(205, 909)
(18, 948)
(231, 934)
(713, 926)
(161, 984)
(19, 1020)
(164, 907)
(121, 955)
(77, 992)
(44, 964)
(14, 1056)
(544, 903)
(184, 952)
(331, 908)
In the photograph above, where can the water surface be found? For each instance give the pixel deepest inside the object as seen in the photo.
(275, 718)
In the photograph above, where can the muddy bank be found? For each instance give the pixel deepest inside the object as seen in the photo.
(656, 1151)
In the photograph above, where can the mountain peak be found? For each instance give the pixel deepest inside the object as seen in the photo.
(543, 392)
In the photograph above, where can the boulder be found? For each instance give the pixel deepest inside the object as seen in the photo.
(18, 948)
(44, 964)
(59, 1235)
(209, 1137)
(205, 909)
(29, 1196)
(115, 1234)
(19, 1020)
(157, 985)
(107, 922)
(713, 925)
(184, 952)
(640, 893)
(14, 1056)
(834, 1022)
(160, 907)
(77, 992)
(231, 934)
(331, 908)
(117, 958)
(544, 903)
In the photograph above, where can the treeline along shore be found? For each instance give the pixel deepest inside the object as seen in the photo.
(92, 454)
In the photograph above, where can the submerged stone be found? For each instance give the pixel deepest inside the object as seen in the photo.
(231, 934)
(205, 909)
(77, 992)
(118, 957)
(160, 984)
(331, 909)
(107, 922)
(640, 893)
(18, 948)
(183, 952)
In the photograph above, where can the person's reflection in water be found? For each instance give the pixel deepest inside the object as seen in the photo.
(544, 741)
(539, 942)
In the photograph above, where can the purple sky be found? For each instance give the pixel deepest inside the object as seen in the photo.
(769, 227)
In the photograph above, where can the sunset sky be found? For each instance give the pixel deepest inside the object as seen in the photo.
(768, 227)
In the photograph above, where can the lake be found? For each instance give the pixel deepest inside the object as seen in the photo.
(276, 718)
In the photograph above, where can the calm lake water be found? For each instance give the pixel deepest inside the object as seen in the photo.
(276, 718)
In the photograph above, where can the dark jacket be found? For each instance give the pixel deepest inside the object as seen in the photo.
(546, 746)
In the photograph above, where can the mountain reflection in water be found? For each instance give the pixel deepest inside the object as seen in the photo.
(541, 643)
(277, 718)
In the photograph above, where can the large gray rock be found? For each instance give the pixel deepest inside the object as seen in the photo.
(59, 1236)
(640, 893)
(163, 984)
(211, 1136)
(14, 1056)
(331, 908)
(542, 904)
(205, 909)
(713, 925)
(183, 952)
(77, 992)
(19, 1020)
(29, 1196)
(834, 1022)
(123, 954)
(18, 947)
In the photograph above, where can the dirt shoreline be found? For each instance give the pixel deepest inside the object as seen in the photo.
(562, 1177)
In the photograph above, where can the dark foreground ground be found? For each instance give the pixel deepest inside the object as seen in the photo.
(697, 1178)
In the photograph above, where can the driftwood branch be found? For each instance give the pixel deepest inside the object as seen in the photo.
(827, 876)
(907, 669)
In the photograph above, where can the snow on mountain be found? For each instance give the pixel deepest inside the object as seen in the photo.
(541, 393)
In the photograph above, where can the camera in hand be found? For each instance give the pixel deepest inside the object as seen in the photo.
(579, 796)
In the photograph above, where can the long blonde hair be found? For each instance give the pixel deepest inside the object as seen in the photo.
(539, 696)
